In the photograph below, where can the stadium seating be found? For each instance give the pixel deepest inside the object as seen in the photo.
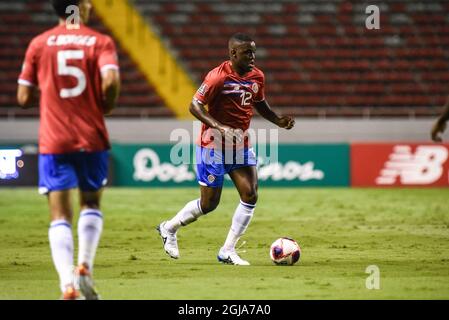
(318, 56)
(21, 21)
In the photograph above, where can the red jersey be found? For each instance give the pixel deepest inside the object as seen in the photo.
(230, 98)
(66, 65)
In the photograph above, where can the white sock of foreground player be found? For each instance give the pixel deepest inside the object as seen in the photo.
(61, 245)
(240, 222)
(185, 216)
(90, 226)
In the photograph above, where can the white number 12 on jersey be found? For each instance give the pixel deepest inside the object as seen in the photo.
(246, 96)
(65, 70)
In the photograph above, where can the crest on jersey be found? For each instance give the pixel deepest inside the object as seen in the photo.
(203, 89)
(210, 178)
(255, 87)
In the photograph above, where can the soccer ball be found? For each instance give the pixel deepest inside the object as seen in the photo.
(285, 251)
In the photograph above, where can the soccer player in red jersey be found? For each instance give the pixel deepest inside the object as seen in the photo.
(231, 91)
(76, 70)
(439, 126)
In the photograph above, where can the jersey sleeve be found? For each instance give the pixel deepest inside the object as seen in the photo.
(28, 75)
(209, 88)
(108, 58)
(260, 94)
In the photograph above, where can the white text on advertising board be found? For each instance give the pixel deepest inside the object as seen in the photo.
(148, 167)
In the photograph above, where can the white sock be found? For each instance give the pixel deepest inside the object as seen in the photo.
(61, 245)
(240, 222)
(185, 216)
(90, 226)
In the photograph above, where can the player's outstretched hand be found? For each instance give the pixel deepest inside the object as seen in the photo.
(286, 122)
(437, 129)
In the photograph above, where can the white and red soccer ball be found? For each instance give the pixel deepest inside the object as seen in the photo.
(285, 251)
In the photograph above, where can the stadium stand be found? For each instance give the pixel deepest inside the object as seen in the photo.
(21, 20)
(318, 56)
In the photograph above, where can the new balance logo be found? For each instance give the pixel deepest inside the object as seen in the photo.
(425, 166)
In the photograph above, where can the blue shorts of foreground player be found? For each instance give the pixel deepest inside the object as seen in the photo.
(212, 165)
(86, 170)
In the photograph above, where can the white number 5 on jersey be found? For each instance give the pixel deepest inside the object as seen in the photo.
(65, 70)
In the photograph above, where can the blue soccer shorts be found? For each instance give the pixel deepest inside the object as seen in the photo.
(212, 165)
(86, 170)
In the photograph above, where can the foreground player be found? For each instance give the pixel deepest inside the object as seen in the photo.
(440, 124)
(76, 70)
(231, 91)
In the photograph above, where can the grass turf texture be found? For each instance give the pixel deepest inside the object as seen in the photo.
(405, 232)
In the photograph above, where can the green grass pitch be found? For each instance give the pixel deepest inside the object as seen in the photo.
(405, 232)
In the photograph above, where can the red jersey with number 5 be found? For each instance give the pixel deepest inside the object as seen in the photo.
(230, 98)
(66, 65)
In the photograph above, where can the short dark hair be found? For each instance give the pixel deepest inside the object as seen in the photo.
(242, 37)
(61, 5)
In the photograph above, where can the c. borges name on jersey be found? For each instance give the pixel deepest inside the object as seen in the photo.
(66, 39)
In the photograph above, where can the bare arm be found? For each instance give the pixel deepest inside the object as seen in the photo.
(200, 112)
(26, 96)
(110, 87)
(263, 108)
(445, 115)
(440, 124)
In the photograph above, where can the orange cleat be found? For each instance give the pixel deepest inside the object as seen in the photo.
(85, 282)
(71, 293)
